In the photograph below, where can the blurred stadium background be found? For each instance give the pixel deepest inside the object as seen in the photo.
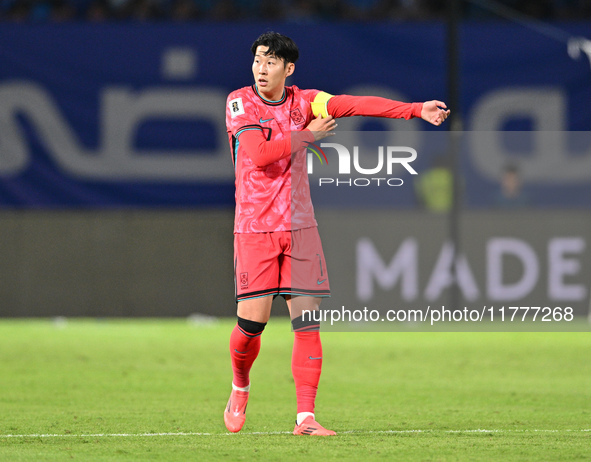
(116, 182)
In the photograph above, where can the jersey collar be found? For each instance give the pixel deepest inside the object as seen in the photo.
(269, 102)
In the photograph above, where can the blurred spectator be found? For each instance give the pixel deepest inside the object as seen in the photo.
(62, 11)
(271, 10)
(225, 10)
(19, 11)
(399, 10)
(360, 10)
(39, 10)
(539, 9)
(302, 11)
(413, 10)
(98, 11)
(290, 10)
(566, 9)
(584, 9)
(185, 10)
(434, 188)
(511, 195)
(144, 10)
(334, 9)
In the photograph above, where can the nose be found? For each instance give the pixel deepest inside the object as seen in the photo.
(263, 69)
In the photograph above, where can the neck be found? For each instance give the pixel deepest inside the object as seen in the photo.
(274, 95)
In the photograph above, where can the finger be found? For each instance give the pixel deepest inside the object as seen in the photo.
(440, 103)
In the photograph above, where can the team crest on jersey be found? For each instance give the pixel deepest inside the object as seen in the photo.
(297, 117)
(236, 107)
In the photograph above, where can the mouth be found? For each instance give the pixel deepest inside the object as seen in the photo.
(262, 82)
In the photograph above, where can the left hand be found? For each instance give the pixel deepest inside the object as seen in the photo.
(433, 113)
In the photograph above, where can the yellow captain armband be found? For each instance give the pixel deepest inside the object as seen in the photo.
(320, 104)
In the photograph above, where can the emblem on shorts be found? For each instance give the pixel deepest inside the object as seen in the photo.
(244, 280)
(297, 117)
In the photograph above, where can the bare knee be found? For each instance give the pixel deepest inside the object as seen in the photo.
(255, 309)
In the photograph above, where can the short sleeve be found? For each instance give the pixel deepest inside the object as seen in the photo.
(240, 112)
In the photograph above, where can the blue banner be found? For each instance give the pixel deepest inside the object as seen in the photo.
(133, 115)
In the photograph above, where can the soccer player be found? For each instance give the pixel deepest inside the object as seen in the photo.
(269, 125)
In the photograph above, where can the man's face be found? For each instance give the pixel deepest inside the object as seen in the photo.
(511, 184)
(270, 72)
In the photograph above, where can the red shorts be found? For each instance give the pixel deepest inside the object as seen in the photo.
(279, 263)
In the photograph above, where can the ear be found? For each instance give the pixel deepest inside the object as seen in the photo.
(290, 69)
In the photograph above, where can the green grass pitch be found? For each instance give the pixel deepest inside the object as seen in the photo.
(121, 390)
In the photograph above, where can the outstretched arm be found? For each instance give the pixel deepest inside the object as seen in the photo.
(373, 106)
(434, 112)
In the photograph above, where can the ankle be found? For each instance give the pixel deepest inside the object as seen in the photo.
(302, 416)
(246, 388)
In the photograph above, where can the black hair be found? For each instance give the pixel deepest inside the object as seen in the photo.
(280, 46)
(511, 167)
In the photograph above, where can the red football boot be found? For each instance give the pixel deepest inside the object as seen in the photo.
(310, 427)
(234, 415)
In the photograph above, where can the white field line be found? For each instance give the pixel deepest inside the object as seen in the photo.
(349, 432)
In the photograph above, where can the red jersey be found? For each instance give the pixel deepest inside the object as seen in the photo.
(268, 140)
